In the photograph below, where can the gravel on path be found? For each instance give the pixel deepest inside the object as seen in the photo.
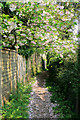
(40, 104)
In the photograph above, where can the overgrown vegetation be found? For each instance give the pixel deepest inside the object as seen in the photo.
(64, 84)
(47, 27)
(26, 51)
(17, 107)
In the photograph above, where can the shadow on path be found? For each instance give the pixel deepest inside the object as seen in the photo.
(41, 78)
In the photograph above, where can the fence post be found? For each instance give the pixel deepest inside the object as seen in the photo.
(24, 69)
(16, 67)
(28, 68)
(34, 64)
(10, 70)
(38, 63)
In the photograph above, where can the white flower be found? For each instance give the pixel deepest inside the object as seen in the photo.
(71, 15)
(57, 33)
(58, 10)
(72, 10)
(73, 51)
(23, 34)
(20, 24)
(61, 7)
(12, 7)
(17, 13)
(71, 45)
(5, 36)
(61, 13)
(64, 19)
(69, 55)
(54, 22)
(54, 45)
(61, 55)
(37, 9)
(51, 16)
(16, 46)
(63, 27)
(5, 20)
(48, 2)
(70, 30)
(44, 12)
(67, 12)
(58, 6)
(54, 2)
(20, 15)
(67, 3)
(4, 43)
(54, 29)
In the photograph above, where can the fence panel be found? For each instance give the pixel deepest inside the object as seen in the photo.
(11, 63)
(21, 68)
(14, 68)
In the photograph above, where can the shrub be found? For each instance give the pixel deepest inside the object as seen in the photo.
(63, 82)
(17, 107)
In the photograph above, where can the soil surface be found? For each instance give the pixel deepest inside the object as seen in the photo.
(40, 104)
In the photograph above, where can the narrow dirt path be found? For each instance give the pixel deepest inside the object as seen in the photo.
(40, 105)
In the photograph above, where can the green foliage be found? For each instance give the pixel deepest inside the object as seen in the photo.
(17, 107)
(26, 51)
(64, 84)
(31, 20)
(46, 27)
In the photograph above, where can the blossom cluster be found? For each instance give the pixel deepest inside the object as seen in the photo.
(41, 25)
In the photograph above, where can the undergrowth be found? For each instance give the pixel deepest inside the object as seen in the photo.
(63, 83)
(17, 107)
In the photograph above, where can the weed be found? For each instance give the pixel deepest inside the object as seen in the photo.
(17, 107)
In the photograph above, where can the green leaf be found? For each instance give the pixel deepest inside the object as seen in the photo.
(44, 18)
(27, 9)
(1, 5)
(0, 47)
(39, 18)
(29, 3)
(75, 23)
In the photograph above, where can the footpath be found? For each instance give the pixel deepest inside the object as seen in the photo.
(40, 104)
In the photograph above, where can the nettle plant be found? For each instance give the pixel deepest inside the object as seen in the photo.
(45, 26)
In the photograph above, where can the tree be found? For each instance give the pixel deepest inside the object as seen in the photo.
(36, 24)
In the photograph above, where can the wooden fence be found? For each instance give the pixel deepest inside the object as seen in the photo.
(11, 68)
(34, 65)
(14, 67)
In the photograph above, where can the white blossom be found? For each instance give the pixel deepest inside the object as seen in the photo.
(61, 13)
(67, 12)
(12, 7)
(23, 35)
(73, 51)
(71, 15)
(61, 55)
(16, 46)
(70, 30)
(61, 7)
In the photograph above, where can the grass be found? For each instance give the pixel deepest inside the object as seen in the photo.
(17, 107)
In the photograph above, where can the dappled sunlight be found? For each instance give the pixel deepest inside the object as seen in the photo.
(41, 92)
(40, 105)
